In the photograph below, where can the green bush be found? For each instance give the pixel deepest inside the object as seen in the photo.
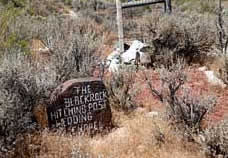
(7, 16)
(15, 3)
(13, 41)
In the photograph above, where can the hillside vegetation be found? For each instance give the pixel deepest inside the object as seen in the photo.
(170, 109)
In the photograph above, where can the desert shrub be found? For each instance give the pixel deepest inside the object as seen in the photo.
(45, 7)
(109, 22)
(215, 140)
(106, 17)
(25, 83)
(78, 41)
(189, 111)
(15, 3)
(68, 2)
(200, 6)
(89, 4)
(19, 92)
(23, 86)
(186, 36)
(18, 29)
(208, 6)
(121, 90)
(185, 109)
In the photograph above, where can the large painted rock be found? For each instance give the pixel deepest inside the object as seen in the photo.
(80, 105)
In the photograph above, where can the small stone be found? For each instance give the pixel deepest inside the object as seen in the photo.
(203, 68)
(213, 79)
(153, 114)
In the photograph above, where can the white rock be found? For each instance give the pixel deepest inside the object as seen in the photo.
(73, 14)
(153, 114)
(140, 110)
(43, 50)
(113, 61)
(213, 79)
(115, 54)
(114, 65)
(130, 54)
(203, 68)
(137, 45)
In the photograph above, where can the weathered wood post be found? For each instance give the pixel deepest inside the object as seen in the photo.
(220, 28)
(168, 6)
(120, 25)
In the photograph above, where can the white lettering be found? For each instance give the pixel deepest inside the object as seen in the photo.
(90, 116)
(84, 90)
(65, 112)
(75, 120)
(77, 90)
(89, 89)
(95, 106)
(92, 97)
(97, 96)
(69, 121)
(53, 115)
(68, 102)
(76, 100)
(59, 111)
(83, 107)
(90, 107)
(81, 99)
(86, 98)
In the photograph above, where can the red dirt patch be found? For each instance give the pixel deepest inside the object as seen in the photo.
(196, 81)
(221, 109)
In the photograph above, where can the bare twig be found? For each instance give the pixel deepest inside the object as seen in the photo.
(155, 92)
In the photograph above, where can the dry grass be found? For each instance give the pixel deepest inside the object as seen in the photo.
(141, 136)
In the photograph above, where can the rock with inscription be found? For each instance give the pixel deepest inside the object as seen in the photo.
(80, 105)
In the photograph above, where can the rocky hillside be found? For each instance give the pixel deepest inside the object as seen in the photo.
(176, 106)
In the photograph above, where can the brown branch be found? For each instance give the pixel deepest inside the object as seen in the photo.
(153, 91)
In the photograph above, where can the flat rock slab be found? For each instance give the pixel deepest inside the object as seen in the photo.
(80, 105)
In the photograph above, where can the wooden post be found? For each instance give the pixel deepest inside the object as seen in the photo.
(120, 25)
(165, 6)
(168, 6)
(220, 5)
(220, 24)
